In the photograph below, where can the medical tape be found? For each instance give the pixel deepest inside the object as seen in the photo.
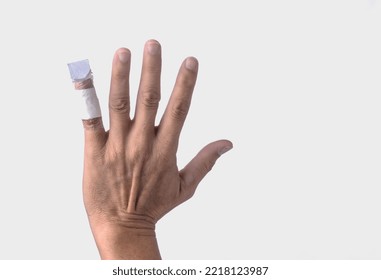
(82, 78)
(90, 102)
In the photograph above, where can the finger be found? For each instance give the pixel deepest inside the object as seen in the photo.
(149, 88)
(179, 103)
(88, 105)
(202, 163)
(93, 126)
(95, 135)
(119, 99)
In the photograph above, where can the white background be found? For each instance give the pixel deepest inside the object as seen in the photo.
(295, 85)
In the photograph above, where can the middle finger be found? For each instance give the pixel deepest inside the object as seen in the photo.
(149, 89)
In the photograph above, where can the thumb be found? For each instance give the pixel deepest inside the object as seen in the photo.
(203, 162)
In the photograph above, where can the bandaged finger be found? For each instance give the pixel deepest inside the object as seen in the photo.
(88, 103)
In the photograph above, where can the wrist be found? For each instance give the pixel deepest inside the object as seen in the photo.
(131, 238)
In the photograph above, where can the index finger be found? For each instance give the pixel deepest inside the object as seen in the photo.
(119, 98)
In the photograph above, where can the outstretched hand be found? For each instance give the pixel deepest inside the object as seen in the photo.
(131, 178)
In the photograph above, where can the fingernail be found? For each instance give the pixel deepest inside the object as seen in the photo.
(224, 150)
(124, 56)
(153, 48)
(191, 64)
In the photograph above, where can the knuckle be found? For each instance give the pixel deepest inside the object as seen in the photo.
(120, 105)
(92, 124)
(180, 110)
(207, 166)
(121, 75)
(151, 98)
(165, 159)
(153, 68)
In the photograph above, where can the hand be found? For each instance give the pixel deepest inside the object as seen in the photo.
(131, 178)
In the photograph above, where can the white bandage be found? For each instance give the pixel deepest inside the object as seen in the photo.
(89, 105)
(90, 108)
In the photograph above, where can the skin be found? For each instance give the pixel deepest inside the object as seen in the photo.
(131, 178)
